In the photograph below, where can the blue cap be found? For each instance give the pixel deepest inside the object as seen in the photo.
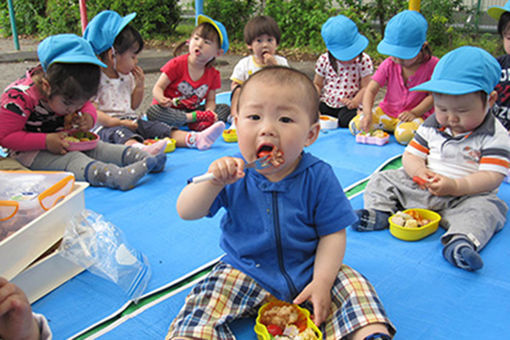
(342, 38)
(104, 28)
(66, 48)
(464, 70)
(404, 35)
(222, 32)
(496, 11)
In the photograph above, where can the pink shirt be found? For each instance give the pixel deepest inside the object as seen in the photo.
(25, 120)
(398, 98)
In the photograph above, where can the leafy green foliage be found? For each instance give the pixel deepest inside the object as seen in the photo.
(300, 21)
(232, 14)
(154, 17)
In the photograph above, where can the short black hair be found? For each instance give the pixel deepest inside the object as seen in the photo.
(504, 19)
(126, 39)
(73, 81)
(260, 25)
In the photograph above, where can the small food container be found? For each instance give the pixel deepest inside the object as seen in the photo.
(415, 234)
(328, 122)
(230, 135)
(378, 137)
(170, 145)
(304, 322)
(82, 141)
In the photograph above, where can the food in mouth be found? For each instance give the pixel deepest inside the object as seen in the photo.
(275, 155)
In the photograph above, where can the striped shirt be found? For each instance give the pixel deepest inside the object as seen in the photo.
(487, 148)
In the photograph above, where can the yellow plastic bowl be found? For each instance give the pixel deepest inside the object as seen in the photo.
(415, 234)
(261, 330)
(230, 136)
(170, 145)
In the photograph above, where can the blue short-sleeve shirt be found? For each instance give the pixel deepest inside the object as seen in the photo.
(270, 231)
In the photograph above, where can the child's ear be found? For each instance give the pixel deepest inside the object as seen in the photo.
(45, 87)
(493, 96)
(313, 133)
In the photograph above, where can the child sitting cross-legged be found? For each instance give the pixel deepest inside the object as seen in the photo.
(190, 79)
(284, 226)
(461, 153)
(121, 89)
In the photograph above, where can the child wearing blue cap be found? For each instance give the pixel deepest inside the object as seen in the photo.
(262, 37)
(284, 228)
(461, 153)
(38, 110)
(188, 79)
(410, 64)
(342, 73)
(501, 108)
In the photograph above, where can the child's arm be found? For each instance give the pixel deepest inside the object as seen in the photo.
(196, 198)
(356, 101)
(210, 101)
(328, 260)
(16, 318)
(476, 183)
(368, 103)
(158, 91)
(318, 81)
(419, 110)
(438, 185)
(137, 95)
(108, 121)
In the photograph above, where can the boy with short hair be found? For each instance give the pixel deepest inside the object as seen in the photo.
(461, 152)
(284, 227)
(262, 37)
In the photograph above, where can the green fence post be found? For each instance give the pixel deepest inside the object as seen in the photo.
(13, 25)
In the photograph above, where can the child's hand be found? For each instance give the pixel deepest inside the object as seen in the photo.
(407, 116)
(320, 297)
(365, 123)
(139, 76)
(78, 120)
(16, 319)
(130, 124)
(164, 101)
(268, 59)
(227, 170)
(56, 143)
(349, 103)
(442, 186)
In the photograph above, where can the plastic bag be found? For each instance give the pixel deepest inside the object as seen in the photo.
(96, 244)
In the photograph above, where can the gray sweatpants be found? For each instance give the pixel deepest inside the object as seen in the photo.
(476, 217)
(77, 161)
(177, 118)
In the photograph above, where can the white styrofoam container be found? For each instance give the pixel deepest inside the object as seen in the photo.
(45, 275)
(24, 246)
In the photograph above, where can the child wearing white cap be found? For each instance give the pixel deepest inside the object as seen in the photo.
(38, 110)
(343, 72)
(461, 153)
(188, 80)
(410, 64)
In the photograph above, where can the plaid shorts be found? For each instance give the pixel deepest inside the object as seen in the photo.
(227, 294)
